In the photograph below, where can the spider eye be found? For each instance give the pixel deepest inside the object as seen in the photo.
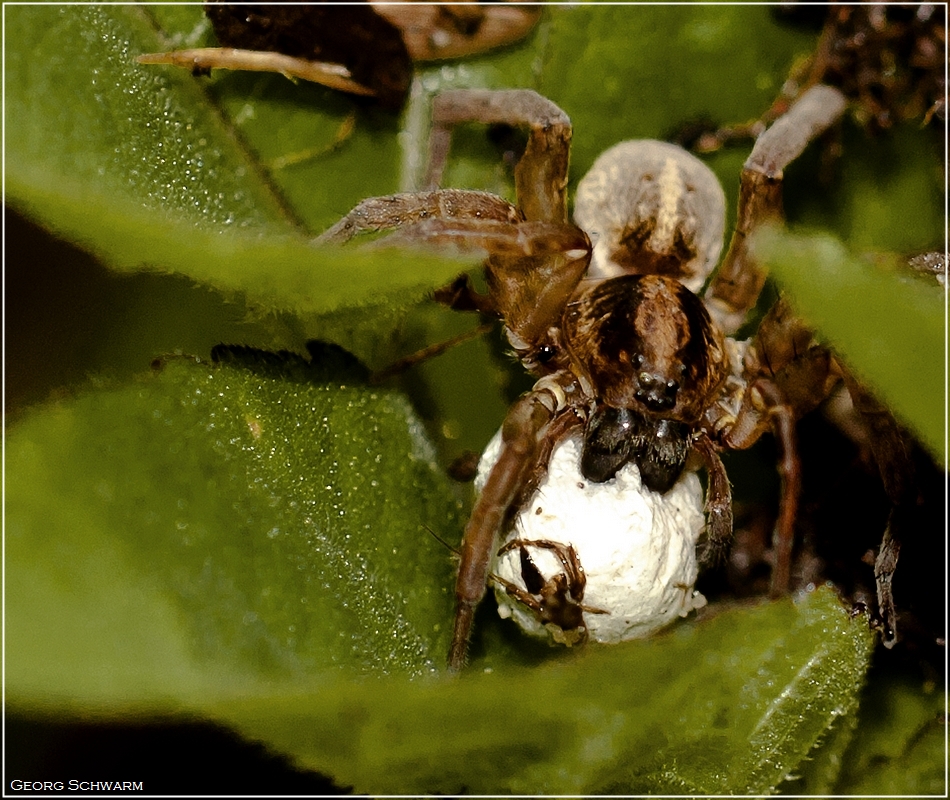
(545, 353)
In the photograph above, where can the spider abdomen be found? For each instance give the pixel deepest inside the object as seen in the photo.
(652, 207)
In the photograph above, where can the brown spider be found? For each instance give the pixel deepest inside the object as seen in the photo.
(605, 313)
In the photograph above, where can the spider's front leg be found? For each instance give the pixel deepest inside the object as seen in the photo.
(532, 269)
(523, 435)
(536, 258)
(395, 211)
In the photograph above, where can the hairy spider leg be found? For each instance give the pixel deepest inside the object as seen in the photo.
(784, 373)
(541, 173)
(891, 447)
(718, 509)
(736, 285)
(560, 595)
(436, 30)
(521, 432)
(564, 553)
(533, 266)
(333, 76)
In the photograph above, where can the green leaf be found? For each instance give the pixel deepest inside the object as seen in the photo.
(86, 112)
(888, 325)
(245, 599)
(278, 272)
(215, 528)
(900, 746)
(138, 166)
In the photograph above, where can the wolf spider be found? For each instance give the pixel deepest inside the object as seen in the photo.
(605, 312)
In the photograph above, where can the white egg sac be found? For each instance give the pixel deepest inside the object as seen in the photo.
(637, 548)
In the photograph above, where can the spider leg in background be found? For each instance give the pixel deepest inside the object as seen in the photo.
(891, 446)
(782, 375)
(795, 372)
(541, 173)
(434, 31)
(736, 285)
(333, 76)
(786, 373)
(432, 351)
(782, 417)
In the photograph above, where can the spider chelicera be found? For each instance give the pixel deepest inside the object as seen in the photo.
(605, 312)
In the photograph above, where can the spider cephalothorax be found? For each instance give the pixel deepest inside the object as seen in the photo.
(645, 342)
(650, 354)
(631, 362)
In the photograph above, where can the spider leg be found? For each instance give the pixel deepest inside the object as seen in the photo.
(565, 553)
(401, 211)
(532, 269)
(461, 295)
(436, 31)
(718, 501)
(521, 432)
(767, 405)
(785, 352)
(541, 174)
(555, 433)
(785, 374)
(736, 285)
(550, 610)
(783, 425)
(558, 609)
(333, 76)
(398, 210)
(891, 447)
(426, 353)
(521, 595)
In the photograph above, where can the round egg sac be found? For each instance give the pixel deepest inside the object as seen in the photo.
(617, 561)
